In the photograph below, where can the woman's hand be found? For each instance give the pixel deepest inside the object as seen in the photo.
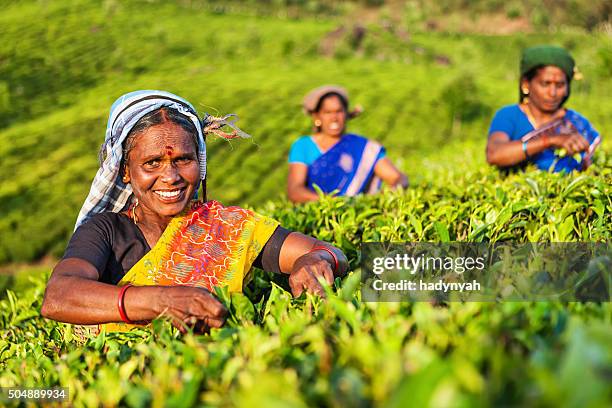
(296, 184)
(389, 174)
(74, 295)
(573, 143)
(191, 307)
(310, 272)
(310, 267)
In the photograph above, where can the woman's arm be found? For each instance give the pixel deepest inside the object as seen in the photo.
(296, 184)
(503, 152)
(389, 174)
(306, 267)
(74, 295)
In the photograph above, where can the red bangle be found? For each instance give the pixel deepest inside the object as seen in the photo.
(324, 248)
(121, 305)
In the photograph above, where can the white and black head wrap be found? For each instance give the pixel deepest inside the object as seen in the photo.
(108, 191)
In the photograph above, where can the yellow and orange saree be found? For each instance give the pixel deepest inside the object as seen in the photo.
(208, 245)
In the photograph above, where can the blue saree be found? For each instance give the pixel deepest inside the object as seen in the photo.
(514, 122)
(348, 167)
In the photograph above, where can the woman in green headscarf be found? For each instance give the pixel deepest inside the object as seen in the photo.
(539, 129)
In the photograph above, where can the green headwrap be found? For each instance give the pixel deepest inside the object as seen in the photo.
(547, 55)
(543, 55)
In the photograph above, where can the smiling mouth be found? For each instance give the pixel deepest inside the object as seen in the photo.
(334, 126)
(170, 195)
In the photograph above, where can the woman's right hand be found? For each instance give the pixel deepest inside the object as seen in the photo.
(74, 295)
(191, 307)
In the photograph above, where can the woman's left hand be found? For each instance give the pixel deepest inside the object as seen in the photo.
(311, 264)
(310, 272)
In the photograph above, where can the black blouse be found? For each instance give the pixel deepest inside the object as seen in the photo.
(113, 244)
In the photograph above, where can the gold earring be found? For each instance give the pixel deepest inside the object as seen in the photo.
(134, 217)
(525, 91)
(317, 123)
(125, 178)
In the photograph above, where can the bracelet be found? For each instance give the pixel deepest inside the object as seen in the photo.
(525, 149)
(121, 305)
(324, 248)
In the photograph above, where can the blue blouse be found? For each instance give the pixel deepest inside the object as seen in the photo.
(305, 150)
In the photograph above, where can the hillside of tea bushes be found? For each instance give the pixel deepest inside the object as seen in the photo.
(335, 353)
(428, 97)
(63, 65)
(279, 351)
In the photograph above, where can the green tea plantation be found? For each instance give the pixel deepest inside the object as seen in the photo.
(429, 95)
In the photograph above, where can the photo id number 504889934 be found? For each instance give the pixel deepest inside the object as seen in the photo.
(33, 393)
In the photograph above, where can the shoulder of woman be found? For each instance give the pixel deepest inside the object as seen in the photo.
(355, 136)
(216, 209)
(91, 237)
(107, 216)
(362, 139)
(214, 206)
(302, 140)
(107, 221)
(573, 113)
(581, 123)
(509, 110)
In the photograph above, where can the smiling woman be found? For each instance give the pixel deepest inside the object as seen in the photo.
(332, 160)
(161, 164)
(539, 129)
(141, 227)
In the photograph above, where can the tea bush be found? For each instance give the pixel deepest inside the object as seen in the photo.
(305, 352)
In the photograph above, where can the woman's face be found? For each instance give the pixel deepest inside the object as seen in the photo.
(163, 169)
(332, 116)
(547, 89)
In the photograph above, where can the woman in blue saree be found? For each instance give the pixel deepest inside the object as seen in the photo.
(336, 162)
(539, 130)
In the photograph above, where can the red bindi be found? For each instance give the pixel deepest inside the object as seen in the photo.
(169, 150)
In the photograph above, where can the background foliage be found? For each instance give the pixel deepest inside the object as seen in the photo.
(429, 83)
(422, 91)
